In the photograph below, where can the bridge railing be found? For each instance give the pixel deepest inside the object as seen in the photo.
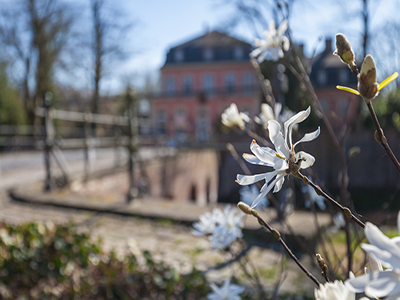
(122, 131)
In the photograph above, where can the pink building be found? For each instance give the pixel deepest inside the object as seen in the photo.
(201, 78)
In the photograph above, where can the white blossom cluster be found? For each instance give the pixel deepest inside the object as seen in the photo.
(221, 226)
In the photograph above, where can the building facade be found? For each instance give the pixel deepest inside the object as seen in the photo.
(199, 80)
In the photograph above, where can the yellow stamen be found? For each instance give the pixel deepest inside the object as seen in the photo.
(388, 80)
(347, 89)
(280, 156)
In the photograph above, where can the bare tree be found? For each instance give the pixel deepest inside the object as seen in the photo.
(109, 31)
(36, 32)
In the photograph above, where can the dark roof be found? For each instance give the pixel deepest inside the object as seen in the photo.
(212, 39)
(221, 47)
(332, 66)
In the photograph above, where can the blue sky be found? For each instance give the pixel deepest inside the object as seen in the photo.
(163, 24)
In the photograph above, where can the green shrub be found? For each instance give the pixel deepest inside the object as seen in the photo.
(40, 261)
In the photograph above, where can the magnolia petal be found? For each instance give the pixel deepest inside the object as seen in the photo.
(358, 284)
(374, 264)
(309, 159)
(277, 139)
(244, 117)
(277, 110)
(268, 178)
(382, 247)
(279, 183)
(256, 52)
(267, 111)
(347, 89)
(265, 192)
(255, 160)
(285, 43)
(308, 137)
(387, 80)
(249, 179)
(282, 28)
(264, 154)
(297, 118)
(272, 29)
(383, 284)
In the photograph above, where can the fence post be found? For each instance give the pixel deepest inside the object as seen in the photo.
(87, 141)
(48, 138)
(133, 142)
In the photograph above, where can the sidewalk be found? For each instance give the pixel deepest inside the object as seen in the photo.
(302, 223)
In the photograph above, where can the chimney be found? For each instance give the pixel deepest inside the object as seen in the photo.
(328, 45)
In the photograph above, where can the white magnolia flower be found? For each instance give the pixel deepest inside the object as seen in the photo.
(334, 291)
(249, 193)
(222, 226)
(338, 222)
(283, 159)
(313, 197)
(379, 283)
(227, 291)
(273, 43)
(267, 114)
(231, 117)
(206, 225)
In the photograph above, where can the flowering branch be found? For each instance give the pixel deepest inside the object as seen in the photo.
(250, 211)
(320, 192)
(368, 88)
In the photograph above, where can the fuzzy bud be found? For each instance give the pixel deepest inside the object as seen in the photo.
(343, 49)
(347, 212)
(276, 234)
(244, 208)
(254, 213)
(367, 84)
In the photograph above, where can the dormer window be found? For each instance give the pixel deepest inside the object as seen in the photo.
(208, 54)
(179, 55)
(238, 52)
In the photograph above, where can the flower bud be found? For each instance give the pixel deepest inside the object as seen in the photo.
(367, 84)
(244, 208)
(343, 49)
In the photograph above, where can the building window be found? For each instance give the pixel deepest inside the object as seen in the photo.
(238, 52)
(170, 86)
(180, 125)
(161, 126)
(187, 85)
(343, 76)
(179, 56)
(202, 126)
(208, 85)
(247, 83)
(230, 84)
(322, 77)
(208, 54)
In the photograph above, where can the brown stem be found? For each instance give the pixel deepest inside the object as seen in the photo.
(277, 235)
(258, 138)
(382, 139)
(320, 192)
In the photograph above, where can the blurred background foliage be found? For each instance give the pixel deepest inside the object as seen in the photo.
(12, 111)
(47, 261)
